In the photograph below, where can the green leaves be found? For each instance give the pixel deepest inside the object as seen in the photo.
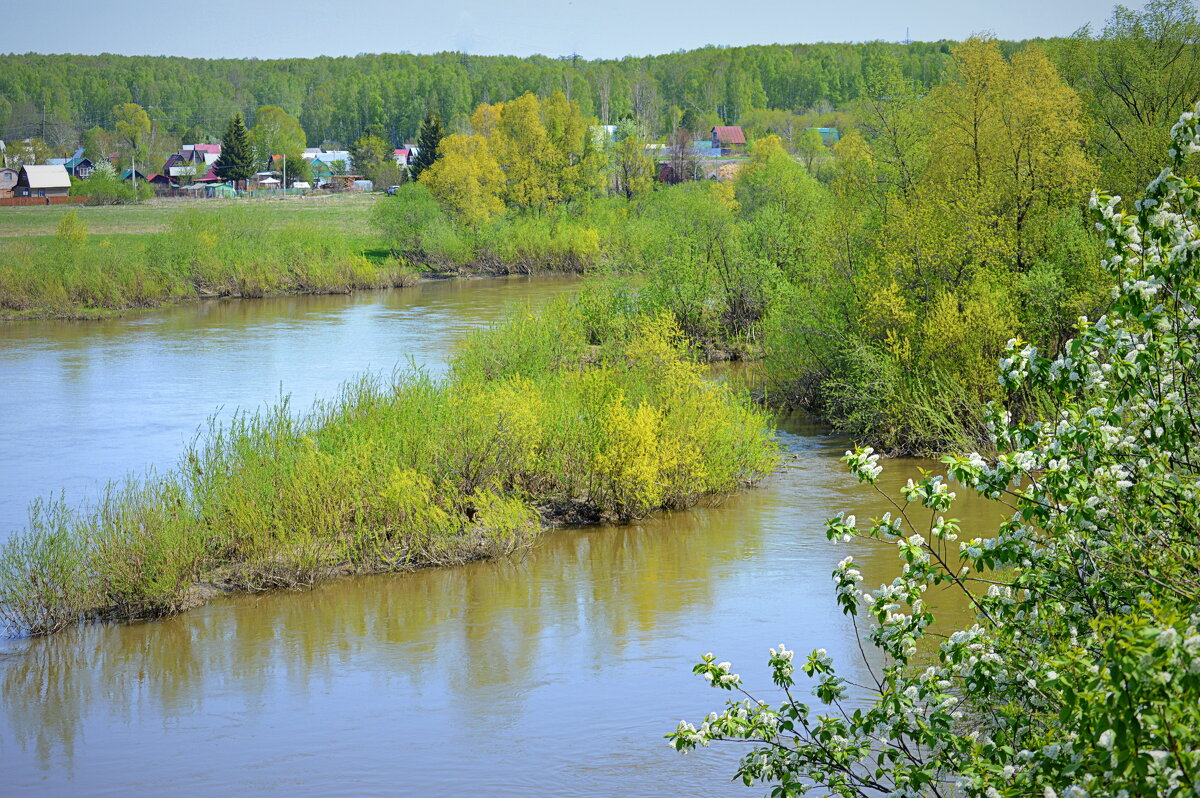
(1081, 675)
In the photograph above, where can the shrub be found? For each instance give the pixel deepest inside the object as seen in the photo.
(1081, 675)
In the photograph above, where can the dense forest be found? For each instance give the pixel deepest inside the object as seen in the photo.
(61, 96)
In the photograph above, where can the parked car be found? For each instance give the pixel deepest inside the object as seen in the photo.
(391, 190)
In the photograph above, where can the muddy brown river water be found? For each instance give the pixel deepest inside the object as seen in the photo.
(554, 675)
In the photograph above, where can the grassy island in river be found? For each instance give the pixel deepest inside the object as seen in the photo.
(532, 425)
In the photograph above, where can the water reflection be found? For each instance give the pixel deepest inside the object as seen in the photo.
(557, 674)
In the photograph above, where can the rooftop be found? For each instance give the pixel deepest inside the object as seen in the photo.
(729, 134)
(47, 176)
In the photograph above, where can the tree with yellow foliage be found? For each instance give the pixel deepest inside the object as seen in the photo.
(466, 180)
(545, 149)
(522, 148)
(633, 170)
(575, 159)
(1010, 142)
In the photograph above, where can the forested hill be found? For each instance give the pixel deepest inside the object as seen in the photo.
(60, 96)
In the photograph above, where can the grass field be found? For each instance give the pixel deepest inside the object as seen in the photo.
(348, 213)
(113, 259)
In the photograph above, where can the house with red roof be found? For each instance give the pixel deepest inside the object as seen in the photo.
(210, 177)
(159, 182)
(729, 139)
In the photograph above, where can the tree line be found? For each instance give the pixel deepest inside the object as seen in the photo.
(59, 97)
(1131, 76)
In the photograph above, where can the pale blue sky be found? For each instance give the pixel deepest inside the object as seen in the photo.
(252, 28)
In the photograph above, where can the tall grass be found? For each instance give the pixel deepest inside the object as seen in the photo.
(532, 425)
(205, 253)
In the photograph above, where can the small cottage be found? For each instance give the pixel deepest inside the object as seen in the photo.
(44, 180)
(79, 167)
(159, 182)
(184, 163)
(729, 139)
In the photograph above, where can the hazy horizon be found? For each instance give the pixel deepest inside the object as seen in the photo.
(621, 28)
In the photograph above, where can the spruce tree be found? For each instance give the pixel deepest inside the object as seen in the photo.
(428, 140)
(237, 155)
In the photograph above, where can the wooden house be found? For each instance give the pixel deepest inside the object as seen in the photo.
(44, 180)
(79, 167)
(729, 139)
(185, 163)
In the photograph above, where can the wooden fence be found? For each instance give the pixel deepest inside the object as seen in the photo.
(11, 202)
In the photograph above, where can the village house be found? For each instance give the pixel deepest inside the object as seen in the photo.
(8, 181)
(829, 135)
(184, 163)
(729, 139)
(209, 177)
(159, 182)
(45, 180)
(210, 151)
(79, 167)
(192, 159)
(325, 165)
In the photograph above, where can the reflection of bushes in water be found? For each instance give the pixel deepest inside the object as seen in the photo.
(396, 475)
(73, 673)
(231, 252)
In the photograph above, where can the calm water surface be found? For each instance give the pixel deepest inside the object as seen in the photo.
(84, 402)
(554, 675)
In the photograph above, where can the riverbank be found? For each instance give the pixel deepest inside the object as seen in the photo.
(531, 424)
(84, 264)
(204, 253)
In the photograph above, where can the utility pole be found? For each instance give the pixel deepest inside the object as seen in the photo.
(285, 175)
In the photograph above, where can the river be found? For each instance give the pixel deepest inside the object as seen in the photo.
(554, 675)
